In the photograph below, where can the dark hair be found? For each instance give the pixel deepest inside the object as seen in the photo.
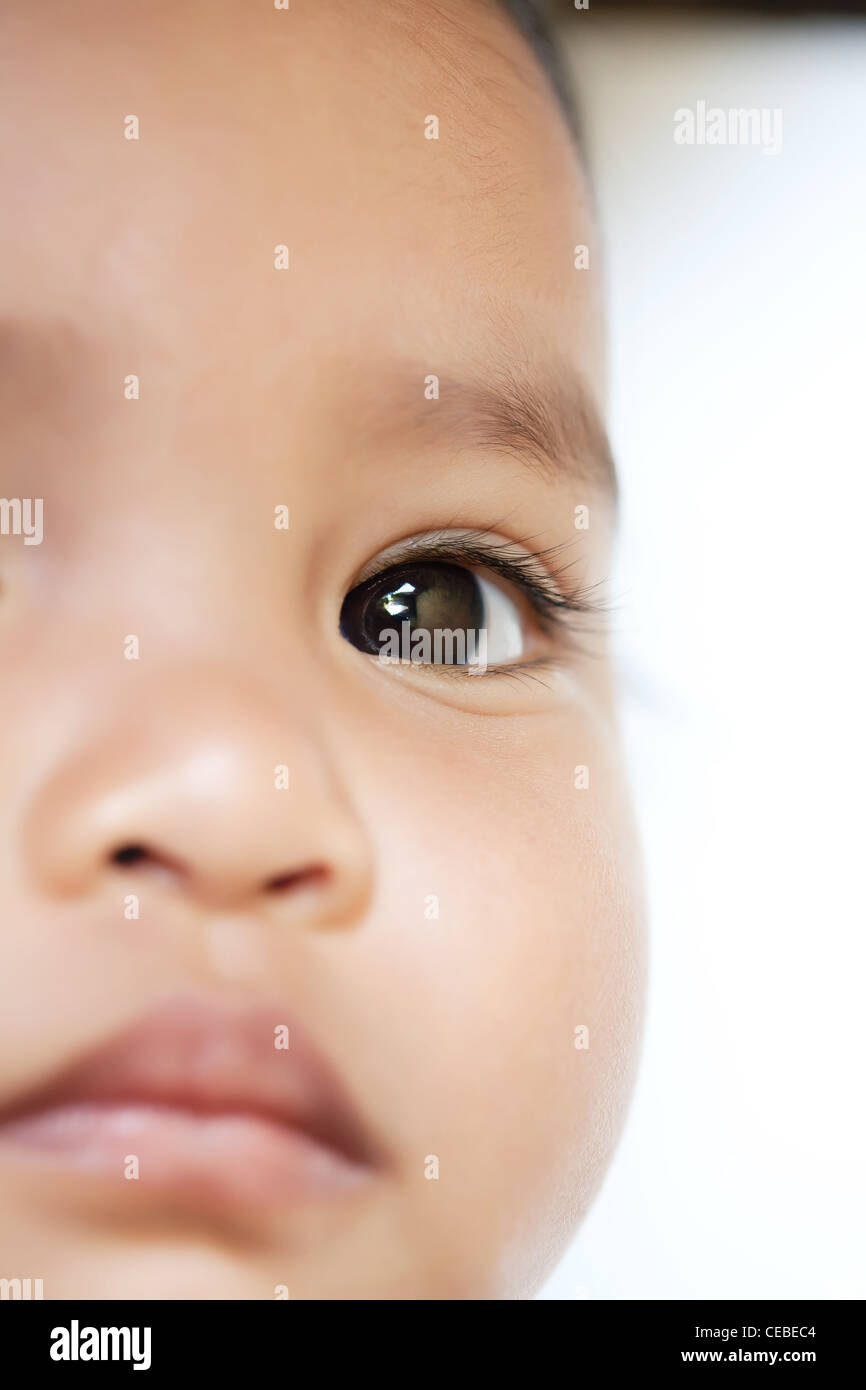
(531, 19)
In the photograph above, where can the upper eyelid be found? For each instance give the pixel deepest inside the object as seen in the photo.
(524, 568)
(474, 554)
(412, 547)
(472, 546)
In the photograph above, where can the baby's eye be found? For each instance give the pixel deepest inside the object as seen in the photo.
(435, 613)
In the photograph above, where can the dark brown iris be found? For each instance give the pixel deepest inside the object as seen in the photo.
(431, 596)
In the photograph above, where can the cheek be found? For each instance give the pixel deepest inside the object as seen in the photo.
(523, 939)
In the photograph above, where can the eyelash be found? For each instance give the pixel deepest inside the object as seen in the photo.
(558, 608)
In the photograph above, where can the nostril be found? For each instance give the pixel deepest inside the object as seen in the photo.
(130, 854)
(147, 860)
(152, 860)
(300, 878)
(135, 855)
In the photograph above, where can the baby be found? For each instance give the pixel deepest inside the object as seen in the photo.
(321, 955)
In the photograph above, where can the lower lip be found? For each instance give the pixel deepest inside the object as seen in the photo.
(239, 1156)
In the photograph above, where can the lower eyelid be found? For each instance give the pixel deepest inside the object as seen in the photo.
(527, 669)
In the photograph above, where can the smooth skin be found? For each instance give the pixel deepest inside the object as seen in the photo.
(304, 387)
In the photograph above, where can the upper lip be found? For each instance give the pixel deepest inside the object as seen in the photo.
(197, 1056)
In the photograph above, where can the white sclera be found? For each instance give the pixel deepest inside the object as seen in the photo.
(503, 624)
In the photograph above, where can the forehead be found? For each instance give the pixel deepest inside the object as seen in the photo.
(305, 128)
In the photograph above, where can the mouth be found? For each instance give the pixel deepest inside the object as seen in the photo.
(199, 1101)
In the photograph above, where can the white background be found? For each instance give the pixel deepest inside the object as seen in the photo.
(738, 314)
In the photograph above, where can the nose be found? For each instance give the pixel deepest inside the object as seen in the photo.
(218, 798)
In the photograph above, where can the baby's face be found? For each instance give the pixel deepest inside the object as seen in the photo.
(223, 817)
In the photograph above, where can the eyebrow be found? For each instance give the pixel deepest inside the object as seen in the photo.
(549, 423)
